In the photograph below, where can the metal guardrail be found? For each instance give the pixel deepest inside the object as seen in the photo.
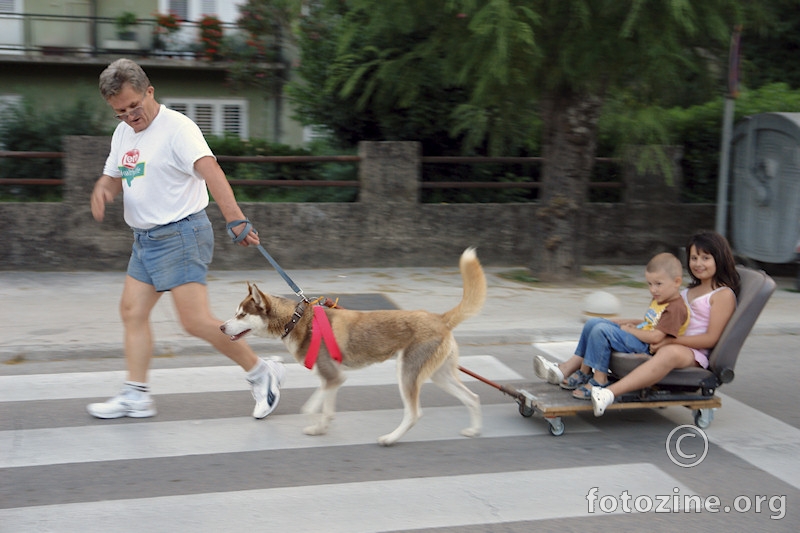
(335, 159)
(81, 36)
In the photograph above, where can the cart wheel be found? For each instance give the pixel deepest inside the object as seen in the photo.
(525, 410)
(556, 426)
(703, 417)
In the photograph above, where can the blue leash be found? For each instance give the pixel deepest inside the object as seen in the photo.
(243, 235)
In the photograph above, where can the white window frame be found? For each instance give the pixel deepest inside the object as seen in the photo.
(226, 10)
(12, 27)
(217, 105)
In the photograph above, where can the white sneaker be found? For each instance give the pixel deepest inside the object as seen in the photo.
(547, 370)
(129, 402)
(601, 398)
(266, 387)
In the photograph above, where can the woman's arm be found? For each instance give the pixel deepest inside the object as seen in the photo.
(723, 304)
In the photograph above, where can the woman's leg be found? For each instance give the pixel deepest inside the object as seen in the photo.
(653, 370)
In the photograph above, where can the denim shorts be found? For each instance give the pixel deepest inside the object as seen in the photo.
(173, 254)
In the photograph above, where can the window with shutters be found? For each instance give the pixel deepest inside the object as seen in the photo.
(214, 117)
(12, 39)
(180, 8)
(208, 7)
(194, 9)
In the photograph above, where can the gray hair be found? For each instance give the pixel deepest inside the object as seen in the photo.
(121, 72)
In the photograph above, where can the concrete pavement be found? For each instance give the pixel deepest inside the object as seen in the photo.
(64, 316)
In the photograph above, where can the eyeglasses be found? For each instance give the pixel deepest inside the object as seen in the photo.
(134, 113)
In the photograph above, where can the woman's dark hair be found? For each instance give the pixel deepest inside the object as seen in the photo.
(715, 244)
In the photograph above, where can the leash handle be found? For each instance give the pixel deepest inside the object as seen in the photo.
(243, 235)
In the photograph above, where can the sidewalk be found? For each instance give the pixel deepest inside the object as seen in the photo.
(58, 316)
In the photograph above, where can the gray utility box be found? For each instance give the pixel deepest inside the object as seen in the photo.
(766, 187)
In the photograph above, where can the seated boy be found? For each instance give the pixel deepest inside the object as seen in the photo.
(668, 314)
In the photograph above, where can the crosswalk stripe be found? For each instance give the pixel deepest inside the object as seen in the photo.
(116, 442)
(751, 435)
(210, 379)
(560, 350)
(759, 439)
(364, 507)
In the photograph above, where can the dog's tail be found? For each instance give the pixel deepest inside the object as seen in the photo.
(474, 290)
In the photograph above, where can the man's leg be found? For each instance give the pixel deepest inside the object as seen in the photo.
(136, 304)
(194, 310)
(265, 377)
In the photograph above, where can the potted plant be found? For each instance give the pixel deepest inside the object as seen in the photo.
(124, 23)
(167, 24)
(210, 36)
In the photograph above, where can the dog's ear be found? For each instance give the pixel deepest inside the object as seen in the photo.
(258, 297)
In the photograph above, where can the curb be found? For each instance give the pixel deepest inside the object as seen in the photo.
(185, 347)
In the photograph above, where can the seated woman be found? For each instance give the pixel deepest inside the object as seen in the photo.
(712, 300)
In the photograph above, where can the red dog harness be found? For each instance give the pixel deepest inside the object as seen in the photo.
(321, 329)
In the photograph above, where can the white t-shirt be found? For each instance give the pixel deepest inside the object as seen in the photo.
(156, 165)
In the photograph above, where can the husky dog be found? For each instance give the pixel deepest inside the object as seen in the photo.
(422, 341)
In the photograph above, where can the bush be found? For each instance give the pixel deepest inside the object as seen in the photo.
(482, 172)
(230, 145)
(26, 128)
(699, 130)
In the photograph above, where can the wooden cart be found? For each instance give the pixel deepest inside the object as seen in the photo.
(554, 403)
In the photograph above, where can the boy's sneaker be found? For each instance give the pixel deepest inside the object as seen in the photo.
(601, 398)
(129, 402)
(547, 370)
(266, 387)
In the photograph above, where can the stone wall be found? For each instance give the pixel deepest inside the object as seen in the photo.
(387, 227)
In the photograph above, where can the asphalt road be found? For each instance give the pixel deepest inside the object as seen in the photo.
(203, 464)
(517, 477)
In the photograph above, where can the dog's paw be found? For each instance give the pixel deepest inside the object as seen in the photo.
(316, 429)
(387, 440)
(471, 432)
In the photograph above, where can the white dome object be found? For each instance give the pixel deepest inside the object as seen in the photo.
(601, 304)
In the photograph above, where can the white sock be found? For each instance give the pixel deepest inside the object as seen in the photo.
(257, 370)
(138, 386)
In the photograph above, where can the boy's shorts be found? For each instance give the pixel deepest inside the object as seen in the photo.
(174, 254)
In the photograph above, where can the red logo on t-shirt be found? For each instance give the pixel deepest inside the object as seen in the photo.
(130, 159)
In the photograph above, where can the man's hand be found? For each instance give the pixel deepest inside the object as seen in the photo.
(252, 237)
(104, 192)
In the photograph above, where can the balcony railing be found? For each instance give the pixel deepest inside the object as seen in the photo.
(83, 36)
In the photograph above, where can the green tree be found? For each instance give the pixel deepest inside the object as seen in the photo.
(489, 75)
(517, 59)
(773, 56)
(261, 56)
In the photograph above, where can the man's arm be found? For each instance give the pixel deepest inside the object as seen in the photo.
(221, 190)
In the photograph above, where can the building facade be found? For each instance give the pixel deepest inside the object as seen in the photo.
(52, 52)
